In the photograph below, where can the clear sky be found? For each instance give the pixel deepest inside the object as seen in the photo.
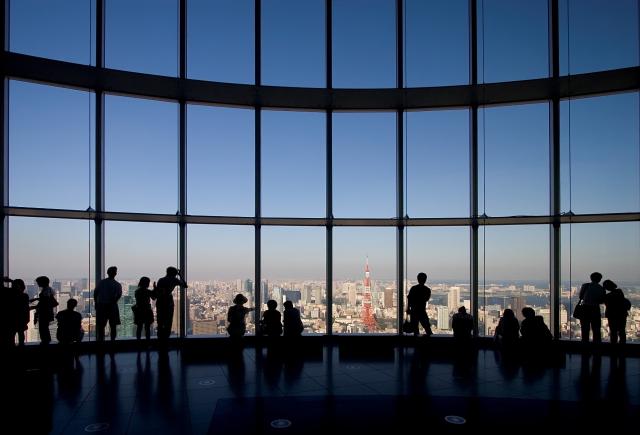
(51, 157)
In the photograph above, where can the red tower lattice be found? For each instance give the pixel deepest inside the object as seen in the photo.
(367, 311)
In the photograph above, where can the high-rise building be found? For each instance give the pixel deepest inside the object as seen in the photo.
(517, 304)
(126, 328)
(389, 299)
(349, 290)
(264, 291)
(443, 318)
(453, 299)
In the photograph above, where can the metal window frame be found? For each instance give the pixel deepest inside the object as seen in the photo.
(100, 81)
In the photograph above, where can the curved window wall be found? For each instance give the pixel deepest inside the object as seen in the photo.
(325, 152)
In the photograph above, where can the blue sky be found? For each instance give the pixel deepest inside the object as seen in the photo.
(51, 137)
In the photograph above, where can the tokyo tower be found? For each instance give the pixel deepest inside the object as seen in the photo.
(367, 311)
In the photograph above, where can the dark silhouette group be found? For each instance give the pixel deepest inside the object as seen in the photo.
(617, 307)
(273, 323)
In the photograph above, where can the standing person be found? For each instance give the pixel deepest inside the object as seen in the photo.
(21, 310)
(293, 326)
(616, 311)
(592, 295)
(236, 324)
(164, 301)
(143, 314)
(44, 310)
(18, 320)
(106, 296)
(7, 335)
(417, 298)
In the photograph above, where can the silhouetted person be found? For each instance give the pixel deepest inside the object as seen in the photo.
(418, 297)
(236, 314)
(508, 330)
(536, 340)
(462, 325)
(616, 311)
(143, 313)
(44, 310)
(164, 301)
(271, 320)
(591, 295)
(533, 329)
(106, 296)
(17, 317)
(69, 324)
(7, 336)
(293, 326)
(21, 310)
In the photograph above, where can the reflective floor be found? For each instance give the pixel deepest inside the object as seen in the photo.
(258, 391)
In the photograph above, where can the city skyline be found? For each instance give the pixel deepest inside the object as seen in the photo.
(230, 151)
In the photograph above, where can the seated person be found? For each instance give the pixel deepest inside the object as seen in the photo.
(69, 324)
(462, 324)
(292, 323)
(508, 330)
(272, 326)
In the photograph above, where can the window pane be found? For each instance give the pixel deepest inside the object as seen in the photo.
(598, 35)
(364, 44)
(293, 164)
(142, 36)
(361, 304)
(141, 155)
(600, 154)
(55, 30)
(513, 41)
(293, 48)
(513, 273)
(437, 42)
(437, 163)
(364, 169)
(62, 250)
(514, 160)
(51, 146)
(220, 161)
(612, 249)
(443, 254)
(220, 265)
(293, 269)
(220, 39)
(140, 249)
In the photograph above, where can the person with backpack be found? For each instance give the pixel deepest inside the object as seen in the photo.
(616, 311)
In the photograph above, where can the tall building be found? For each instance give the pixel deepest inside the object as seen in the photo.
(389, 300)
(517, 304)
(349, 290)
(126, 328)
(453, 299)
(264, 291)
(367, 308)
(443, 318)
